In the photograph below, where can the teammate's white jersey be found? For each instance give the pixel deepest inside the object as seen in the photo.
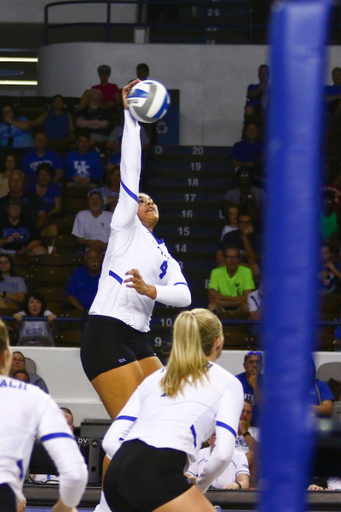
(132, 246)
(184, 422)
(238, 465)
(26, 412)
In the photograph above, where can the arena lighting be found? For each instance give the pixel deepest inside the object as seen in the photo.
(18, 82)
(18, 59)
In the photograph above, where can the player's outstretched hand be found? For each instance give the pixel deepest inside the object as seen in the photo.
(138, 283)
(126, 90)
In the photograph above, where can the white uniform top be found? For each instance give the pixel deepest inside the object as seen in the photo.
(27, 412)
(92, 228)
(183, 422)
(237, 466)
(241, 444)
(133, 246)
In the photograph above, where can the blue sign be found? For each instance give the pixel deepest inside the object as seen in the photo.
(11, 72)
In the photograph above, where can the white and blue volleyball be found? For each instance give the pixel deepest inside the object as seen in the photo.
(148, 101)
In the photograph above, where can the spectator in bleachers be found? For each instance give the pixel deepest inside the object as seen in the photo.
(247, 441)
(235, 476)
(230, 213)
(254, 303)
(12, 287)
(332, 93)
(330, 273)
(40, 154)
(321, 397)
(83, 283)
(18, 235)
(32, 204)
(15, 132)
(248, 151)
(230, 285)
(112, 187)
(93, 119)
(236, 196)
(83, 166)
(111, 93)
(57, 124)
(251, 381)
(35, 333)
(142, 71)
(92, 226)
(49, 192)
(329, 219)
(115, 140)
(19, 363)
(10, 163)
(247, 241)
(257, 94)
(21, 375)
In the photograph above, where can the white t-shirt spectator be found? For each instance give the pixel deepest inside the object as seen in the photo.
(36, 329)
(241, 444)
(91, 228)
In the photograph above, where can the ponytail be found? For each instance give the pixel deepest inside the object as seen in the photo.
(193, 337)
(4, 343)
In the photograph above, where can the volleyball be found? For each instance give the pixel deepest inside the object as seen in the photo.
(148, 101)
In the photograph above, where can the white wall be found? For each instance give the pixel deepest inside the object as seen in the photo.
(63, 373)
(212, 79)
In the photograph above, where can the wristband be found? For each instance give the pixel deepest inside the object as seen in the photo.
(247, 433)
(238, 483)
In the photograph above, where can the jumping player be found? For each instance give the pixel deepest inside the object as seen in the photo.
(166, 420)
(26, 411)
(137, 270)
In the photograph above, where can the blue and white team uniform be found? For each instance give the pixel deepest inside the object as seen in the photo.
(179, 425)
(238, 466)
(132, 246)
(26, 413)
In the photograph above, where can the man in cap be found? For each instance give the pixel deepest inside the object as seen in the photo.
(19, 235)
(92, 227)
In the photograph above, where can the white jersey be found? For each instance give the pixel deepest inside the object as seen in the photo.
(92, 228)
(27, 412)
(183, 422)
(241, 444)
(238, 465)
(133, 246)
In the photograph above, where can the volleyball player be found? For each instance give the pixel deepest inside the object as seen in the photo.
(166, 420)
(26, 412)
(137, 270)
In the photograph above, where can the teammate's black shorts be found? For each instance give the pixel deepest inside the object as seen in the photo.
(141, 478)
(7, 499)
(109, 343)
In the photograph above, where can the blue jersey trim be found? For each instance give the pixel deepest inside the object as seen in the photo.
(194, 436)
(115, 276)
(56, 435)
(129, 418)
(224, 425)
(129, 192)
(159, 240)
(180, 283)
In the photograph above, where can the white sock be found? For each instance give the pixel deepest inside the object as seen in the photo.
(103, 505)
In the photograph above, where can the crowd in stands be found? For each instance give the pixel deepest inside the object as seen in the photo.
(60, 150)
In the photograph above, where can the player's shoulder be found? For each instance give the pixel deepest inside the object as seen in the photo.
(224, 377)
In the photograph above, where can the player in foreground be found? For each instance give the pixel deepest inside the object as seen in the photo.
(137, 270)
(26, 412)
(166, 420)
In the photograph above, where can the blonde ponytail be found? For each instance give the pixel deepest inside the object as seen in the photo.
(193, 337)
(4, 344)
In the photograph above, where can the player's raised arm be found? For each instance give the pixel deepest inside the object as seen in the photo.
(131, 152)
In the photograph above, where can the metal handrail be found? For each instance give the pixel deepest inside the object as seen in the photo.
(206, 22)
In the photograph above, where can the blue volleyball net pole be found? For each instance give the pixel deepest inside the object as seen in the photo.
(298, 34)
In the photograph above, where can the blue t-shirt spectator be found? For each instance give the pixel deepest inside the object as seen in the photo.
(57, 126)
(249, 395)
(83, 286)
(48, 198)
(31, 161)
(245, 151)
(21, 138)
(87, 165)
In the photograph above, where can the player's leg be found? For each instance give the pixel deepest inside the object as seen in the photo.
(116, 386)
(192, 500)
(150, 365)
(7, 499)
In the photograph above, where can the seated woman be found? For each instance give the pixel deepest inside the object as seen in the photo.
(58, 125)
(49, 192)
(15, 132)
(9, 164)
(35, 333)
(111, 190)
(230, 213)
(12, 287)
